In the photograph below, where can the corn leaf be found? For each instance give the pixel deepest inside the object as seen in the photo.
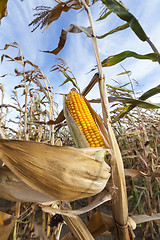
(101, 198)
(78, 228)
(104, 16)
(119, 88)
(114, 59)
(150, 93)
(136, 102)
(122, 27)
(6, 225)
(123, 13)
(46, 15)
(69, 79)
(145, 218)
(140, 102)
(3, 8)
(136, 173)
(73, 28)
(100, 223)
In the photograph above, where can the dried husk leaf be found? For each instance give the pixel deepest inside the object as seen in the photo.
(100, 223)
(6, 225)
(78, 228)
(13, 189)
(65, 173)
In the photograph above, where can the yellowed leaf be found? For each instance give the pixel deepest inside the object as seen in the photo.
(3, 8)
(6, 225)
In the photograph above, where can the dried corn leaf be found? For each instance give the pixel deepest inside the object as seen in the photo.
(136, 173)
(100, 223)
(73, 28)
(91, 84)
(78, 228)
(46, 15)
(6, 225)
(146, 218)
(3, 9)
(102, 197)
(13, 189)
(64, 173)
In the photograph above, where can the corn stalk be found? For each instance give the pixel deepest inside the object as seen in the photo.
(120, 203)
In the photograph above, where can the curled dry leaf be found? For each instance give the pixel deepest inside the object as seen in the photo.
(46, 15)
(102, 197)
(145, 218)
(136, 173)
(78, 228)
(64, 173)
(6, 225)
(3, 9)
(73, 28)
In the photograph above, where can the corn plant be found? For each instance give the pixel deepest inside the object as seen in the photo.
(53, 176)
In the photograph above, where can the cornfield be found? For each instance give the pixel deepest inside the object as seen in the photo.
(75, 174)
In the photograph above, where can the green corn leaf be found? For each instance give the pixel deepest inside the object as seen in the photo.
(136, 102)
(119, 28)
(114, 59)
(150, 93)
(104, 16)
(119, 88)
(125, 15)
(124, 73)
(68, 79)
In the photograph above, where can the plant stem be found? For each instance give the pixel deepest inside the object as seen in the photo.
(102, 84)
(155, 50)
(119, 197)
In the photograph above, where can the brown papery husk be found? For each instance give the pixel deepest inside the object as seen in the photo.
(65, 173)
(14, 189)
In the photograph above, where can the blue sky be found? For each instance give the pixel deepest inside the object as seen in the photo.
(78, 51)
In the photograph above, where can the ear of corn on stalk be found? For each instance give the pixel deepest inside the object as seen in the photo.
(82, 125)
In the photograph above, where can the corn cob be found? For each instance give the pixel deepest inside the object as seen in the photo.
(84, 119)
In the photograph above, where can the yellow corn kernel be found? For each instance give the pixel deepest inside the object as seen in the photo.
(84, 119)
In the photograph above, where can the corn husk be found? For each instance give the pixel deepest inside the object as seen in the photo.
(14, 189)
(64, 173)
